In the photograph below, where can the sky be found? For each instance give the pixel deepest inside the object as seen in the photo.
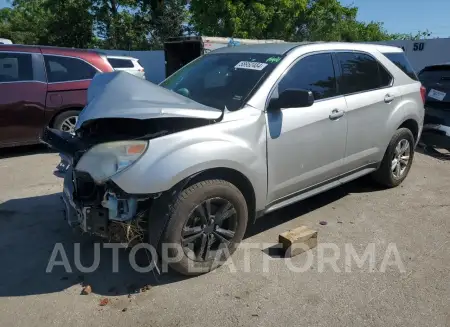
(406, 16)
(398, 16)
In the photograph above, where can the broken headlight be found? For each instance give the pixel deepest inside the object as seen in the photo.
(106, 159)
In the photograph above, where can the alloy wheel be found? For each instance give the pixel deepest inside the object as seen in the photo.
(68, 125)
(210, 227)
(401, 158)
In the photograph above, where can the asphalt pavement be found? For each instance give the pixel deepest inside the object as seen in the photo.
(407, 230)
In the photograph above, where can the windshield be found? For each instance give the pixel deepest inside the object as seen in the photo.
(222, 80)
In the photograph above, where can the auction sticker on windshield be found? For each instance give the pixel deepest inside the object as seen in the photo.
(252, 65)
(438, 95)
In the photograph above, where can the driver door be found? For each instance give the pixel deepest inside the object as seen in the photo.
(306, 146)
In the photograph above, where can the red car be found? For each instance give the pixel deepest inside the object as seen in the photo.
(43, 86)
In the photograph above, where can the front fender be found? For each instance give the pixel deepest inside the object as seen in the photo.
(171, 159)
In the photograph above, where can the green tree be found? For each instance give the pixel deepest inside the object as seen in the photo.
(116, 23)
(26, 22)
(167, 19)
(70, 23)
(420, 35)
(328, 20)
(290, 20)
(109, 24)
(246, 19)
(48, 22)
(5, 24)
(137, 24)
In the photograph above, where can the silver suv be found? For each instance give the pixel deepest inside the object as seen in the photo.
(236, 134)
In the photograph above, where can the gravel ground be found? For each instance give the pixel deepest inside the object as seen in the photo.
(415, 218)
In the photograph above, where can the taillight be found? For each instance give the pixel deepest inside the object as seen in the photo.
(423, 92)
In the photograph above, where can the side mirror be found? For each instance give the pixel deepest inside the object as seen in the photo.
(292, 98)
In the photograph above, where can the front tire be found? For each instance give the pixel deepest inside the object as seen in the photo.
(397, 159)
(206, 225)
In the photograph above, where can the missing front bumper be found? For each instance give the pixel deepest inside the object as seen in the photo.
(98, 210)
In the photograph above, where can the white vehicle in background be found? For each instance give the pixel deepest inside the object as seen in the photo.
(5, 41)
(127, 64)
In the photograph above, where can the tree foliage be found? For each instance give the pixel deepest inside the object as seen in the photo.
(328, 20)
(109, 24)
(420, 35)
(292, 20)
(145, 24)
(247, 19)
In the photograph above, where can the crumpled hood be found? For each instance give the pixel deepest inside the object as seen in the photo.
(122, 95)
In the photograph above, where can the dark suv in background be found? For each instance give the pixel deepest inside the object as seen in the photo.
(43, 86)
(436, 80)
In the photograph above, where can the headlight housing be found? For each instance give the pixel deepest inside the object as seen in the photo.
(107, 159)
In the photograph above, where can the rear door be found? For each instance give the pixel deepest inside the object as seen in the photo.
(68, 81)
(22, 97)
(371, 98)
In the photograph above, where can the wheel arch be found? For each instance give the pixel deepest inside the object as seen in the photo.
(60, 112)
(236, 178)
(413, 126)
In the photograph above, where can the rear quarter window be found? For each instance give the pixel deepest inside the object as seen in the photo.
(400, 60)
(120, 63)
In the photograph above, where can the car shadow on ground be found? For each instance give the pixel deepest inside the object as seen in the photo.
(436, 153)
(31, 228)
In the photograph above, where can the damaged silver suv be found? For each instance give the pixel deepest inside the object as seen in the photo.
(235, 134)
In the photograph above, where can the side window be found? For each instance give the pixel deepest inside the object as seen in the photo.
(15, 67)
(64, 69)
(361, 72)
(314, 73)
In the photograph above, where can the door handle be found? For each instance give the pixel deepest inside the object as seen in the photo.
(336, 114)
(389, 98)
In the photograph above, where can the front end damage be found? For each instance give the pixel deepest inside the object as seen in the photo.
(124, 113)
(104, 209)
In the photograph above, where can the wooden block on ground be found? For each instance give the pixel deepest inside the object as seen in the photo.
(298, 240)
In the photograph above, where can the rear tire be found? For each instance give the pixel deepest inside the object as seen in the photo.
(397, 159)
(66, 121)
(204, 238)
